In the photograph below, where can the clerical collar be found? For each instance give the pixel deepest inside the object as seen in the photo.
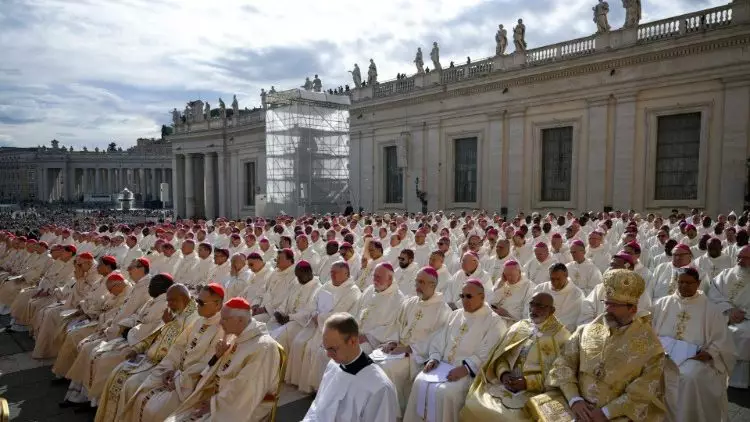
(357, 365)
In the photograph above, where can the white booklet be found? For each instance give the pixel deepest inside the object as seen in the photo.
(677, 350)
(325, 302)
(380, 356)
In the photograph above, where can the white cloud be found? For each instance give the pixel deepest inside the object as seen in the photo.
(91, 71)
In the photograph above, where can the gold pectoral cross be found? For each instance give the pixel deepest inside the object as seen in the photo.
(461, 331)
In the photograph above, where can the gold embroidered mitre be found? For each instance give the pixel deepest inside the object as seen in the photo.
(623, 286)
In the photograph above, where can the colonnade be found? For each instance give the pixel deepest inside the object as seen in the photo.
(200, 184)
(71, 183)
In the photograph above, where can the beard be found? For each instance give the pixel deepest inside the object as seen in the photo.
(403, 265)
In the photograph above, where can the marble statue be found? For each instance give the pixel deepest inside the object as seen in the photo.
(235, 108)
(222, 109)
(356, 76)
(175, 117)
(419, 61)
(435, 56)
(372, 73)
(272, 90)
(263, 101)
(317, 85)
(308, 84)
(600, 17)
(501, 41)
(186, 115)
(207, 111)
(85, 149)
(519, 37)
(632, 13)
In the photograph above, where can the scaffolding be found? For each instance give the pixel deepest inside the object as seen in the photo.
(307, 152)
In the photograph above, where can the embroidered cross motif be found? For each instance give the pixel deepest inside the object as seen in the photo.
(461, 332)
(673, 283)
(682, 319)
(417, 317)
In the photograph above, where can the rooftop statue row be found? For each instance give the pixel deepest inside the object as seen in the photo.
(601, 10)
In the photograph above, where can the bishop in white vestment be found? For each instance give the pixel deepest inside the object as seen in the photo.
(567, 296)
(695, 337)
(464, 345)
(511, 293)
(377, 310)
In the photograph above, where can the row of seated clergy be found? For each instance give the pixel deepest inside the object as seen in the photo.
(613, 368)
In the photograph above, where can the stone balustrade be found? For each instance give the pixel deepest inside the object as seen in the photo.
(703, 20)
(245, 118)
(697, 22)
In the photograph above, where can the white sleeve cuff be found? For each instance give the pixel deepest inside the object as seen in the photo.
(575, 399)
(606, 412)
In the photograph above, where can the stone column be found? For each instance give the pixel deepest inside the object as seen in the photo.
(515, 161)
(155, 185)
(68, 182)
(209, 186)
(622, 197)
(123, 178)
(97, 181)
(734, 149)
(176, 201)
(142, 185)
(597, 154)
(112, 181)
(221, 158)
(494, 164)
(189, 187)
(84, 181)
(40, 176)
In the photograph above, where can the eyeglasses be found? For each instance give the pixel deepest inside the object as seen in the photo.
(538, 305)
(201, 302)
(467, 296)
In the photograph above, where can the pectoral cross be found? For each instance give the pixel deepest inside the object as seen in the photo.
(461, 331)
(673, 283)
(417, 317)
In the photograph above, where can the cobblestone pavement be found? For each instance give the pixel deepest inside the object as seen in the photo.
(26, 384)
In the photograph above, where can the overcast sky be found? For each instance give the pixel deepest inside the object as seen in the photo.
(89, 72)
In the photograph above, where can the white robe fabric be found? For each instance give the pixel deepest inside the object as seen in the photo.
(467, 338)
(512, 297)
(593, 305)
(664, 281)
(256, 285)
(450, 295)
(568, 303)
(538, 272)
(376, 314)
(696, 391)
(368, 396)
(584, 275)
(713, 266)
(235, 285)
(277, 289)
(405, 279)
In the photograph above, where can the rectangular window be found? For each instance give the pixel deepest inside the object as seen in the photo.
(250, 184)
(678, 140)
(465, 167)
(394, 176)
(557, 163)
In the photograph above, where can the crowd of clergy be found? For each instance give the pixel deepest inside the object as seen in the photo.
(426, 317)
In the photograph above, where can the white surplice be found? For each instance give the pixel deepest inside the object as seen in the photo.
(277, 289)
(405, 279)
(538, 272)
(368, 396)
(696, 391)
(512, 297)
(585, 275)
(376, 314)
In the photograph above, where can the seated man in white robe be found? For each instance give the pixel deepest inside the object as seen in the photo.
(457, 354)
(714, 260)
(406, 273)
(582, 271)
(664, 281)
(437, 261)
(593, 303)
(353, 388)
(598, 252)
(378, 308)
(307, 358)
(470, 268)
(695, 337)
(421, 316)
(323, 272)
(299, 307)
(511, 293)
(730, 290)
(494, 264)
(279, 283)
(537, 270)
(375, 253)
(258, 279)
(558, 250)
(239, 274)
(634, 250)
(242, 377)
(568, 297)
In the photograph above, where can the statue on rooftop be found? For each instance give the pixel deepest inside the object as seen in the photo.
(85, 149)
(186, 115)
(419, 61)
(435, 56)
(222, 109)
(501, 41)
(175, 117)
(272, 90)
(372, 73)
(207, 111)
(308, 84)
(632, 13)
(600, 17)
(263, 102)
(235, 107)
(317, 85)
(356, 76)
(519, 37)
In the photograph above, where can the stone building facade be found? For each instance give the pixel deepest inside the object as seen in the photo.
(55, 173)
(652, 117)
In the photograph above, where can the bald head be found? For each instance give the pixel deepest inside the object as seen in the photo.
(541, 307)
(178, 298)
(743, 257)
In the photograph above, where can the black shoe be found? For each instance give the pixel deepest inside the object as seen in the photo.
(65, 404)
(85, 409)
(59, 381)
